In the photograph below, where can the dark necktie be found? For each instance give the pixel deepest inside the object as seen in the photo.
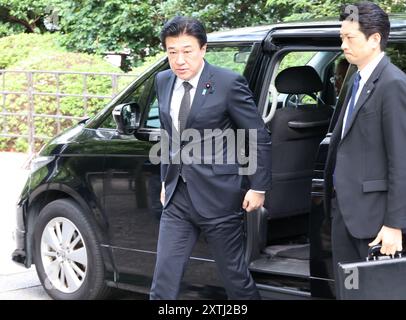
(351, 106)
(184, 107)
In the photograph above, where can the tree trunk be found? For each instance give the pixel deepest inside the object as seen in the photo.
(5, 16)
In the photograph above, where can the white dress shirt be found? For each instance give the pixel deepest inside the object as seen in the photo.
(365, 74)
(177, 95)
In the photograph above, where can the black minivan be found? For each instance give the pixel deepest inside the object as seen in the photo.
(89, 213)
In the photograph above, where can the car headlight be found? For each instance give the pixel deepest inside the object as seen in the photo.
(40, 162)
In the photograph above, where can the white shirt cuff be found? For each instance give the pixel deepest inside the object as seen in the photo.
(258, 191)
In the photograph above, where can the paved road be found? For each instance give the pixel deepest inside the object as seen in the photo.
(16, 282)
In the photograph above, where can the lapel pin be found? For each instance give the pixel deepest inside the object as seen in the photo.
(207, 86)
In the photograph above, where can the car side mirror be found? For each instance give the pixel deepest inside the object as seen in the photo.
(127, 117)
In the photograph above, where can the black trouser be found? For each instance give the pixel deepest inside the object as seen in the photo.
(345, 247)
(178, 232)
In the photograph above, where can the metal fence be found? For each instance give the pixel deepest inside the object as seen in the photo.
(29, 91)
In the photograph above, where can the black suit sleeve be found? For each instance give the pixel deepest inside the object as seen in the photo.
(244, 113)
(394, 132)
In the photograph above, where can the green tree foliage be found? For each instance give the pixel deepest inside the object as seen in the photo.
(133, 26)
(219, 14)
(8, 29)
(94, 26)
(118, 25)
(287, 10)
(23, 16)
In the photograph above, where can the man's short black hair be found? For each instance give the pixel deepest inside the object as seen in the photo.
(371, 18)
(184, 25)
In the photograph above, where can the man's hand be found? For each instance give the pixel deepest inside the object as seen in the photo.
(391, 239)
(253, 200)
(163, 193)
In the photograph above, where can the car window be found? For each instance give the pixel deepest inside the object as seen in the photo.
(153, 115)
(295, 59)
(230, 57)
(324, 63)
(233, 57)
(397, 53)
(139, 95)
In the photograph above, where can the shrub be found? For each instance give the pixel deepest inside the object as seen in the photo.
(40, 52)
(22, 46)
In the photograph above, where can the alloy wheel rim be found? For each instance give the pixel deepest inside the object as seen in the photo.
(63, 255)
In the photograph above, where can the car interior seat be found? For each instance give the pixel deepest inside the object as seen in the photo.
(296, 130)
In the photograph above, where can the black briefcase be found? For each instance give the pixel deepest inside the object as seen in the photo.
(377, 278)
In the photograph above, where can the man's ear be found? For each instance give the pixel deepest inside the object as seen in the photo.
(204, 48)
(375, 40)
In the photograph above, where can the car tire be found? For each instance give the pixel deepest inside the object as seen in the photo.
(67, 253)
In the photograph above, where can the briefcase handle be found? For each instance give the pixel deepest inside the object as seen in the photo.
(374, 253)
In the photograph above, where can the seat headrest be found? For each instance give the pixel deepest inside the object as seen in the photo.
(298, 80)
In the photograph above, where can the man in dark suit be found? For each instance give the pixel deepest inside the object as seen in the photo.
(366, 165)
(205, 195)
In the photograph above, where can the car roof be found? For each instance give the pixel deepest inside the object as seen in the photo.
(259, 33)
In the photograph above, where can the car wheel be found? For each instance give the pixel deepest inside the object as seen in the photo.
(67, 254)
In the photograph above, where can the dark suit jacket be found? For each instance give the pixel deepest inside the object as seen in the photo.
(216, 189)
(370, 159)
